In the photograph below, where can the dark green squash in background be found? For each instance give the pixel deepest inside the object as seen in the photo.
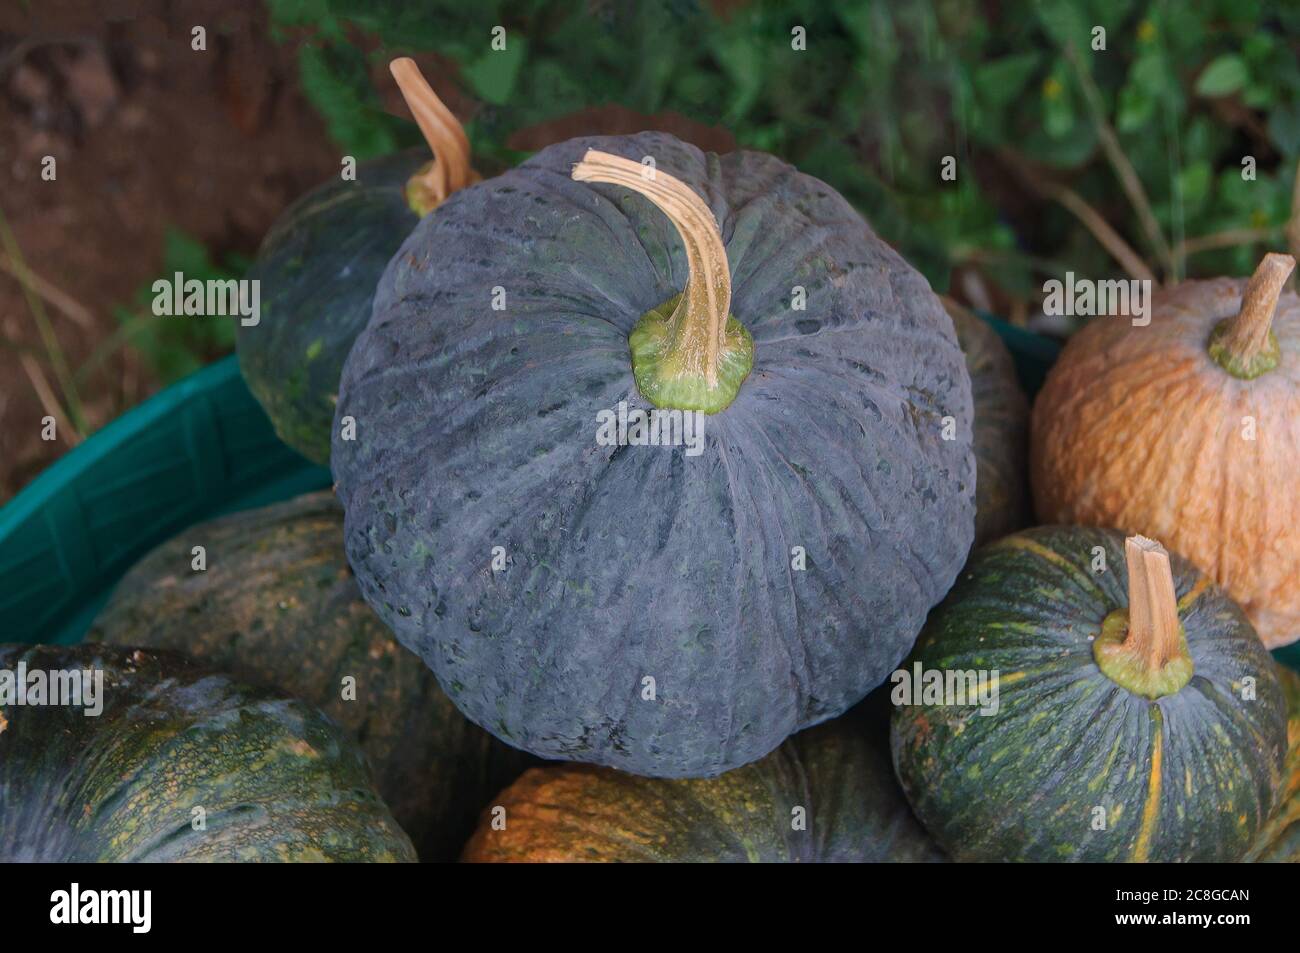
(1180, 759)
(1001, 428)
(276, 780)
(278, 607)
(320, 262)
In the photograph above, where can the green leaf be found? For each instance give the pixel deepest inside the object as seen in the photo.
(492, 76)
(1223, 77)
(1135, 108)
(1000, 81)
(1284, 128)
(336, 81)
(1194, 185)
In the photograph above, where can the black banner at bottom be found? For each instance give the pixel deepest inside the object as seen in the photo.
(137, 904)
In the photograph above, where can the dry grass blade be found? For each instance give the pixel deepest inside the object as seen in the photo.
(46, 331)
(1230, 238)
(70, 307)
(48, 401)
(1293, 224)
(1124, 171)
(1092, 220)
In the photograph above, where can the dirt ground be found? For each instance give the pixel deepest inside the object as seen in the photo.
(149, 134)
(146, 133)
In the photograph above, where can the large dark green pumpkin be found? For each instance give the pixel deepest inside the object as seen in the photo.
(1279, 842)
(318, 267)
(1189, 776)
(1001, 428)
(476, 428)
(827, 794)
(276, 780)
(278, 607)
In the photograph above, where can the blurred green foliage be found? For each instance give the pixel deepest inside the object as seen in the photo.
(177, 345)
(882, 93)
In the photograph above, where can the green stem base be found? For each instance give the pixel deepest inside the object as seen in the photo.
(661, 376)
(1247, 369)
(1129, 670)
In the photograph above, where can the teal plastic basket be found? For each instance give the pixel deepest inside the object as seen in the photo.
(198, 449)
(201, 448)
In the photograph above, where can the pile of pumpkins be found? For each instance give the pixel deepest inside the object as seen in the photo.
(502, 639)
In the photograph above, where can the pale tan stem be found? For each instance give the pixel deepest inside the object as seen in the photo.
(700, 319)
(1246, 335)
(446, 137)
(1153, 629)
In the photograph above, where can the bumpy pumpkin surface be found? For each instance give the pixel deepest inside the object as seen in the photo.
(1280, 840)
(1001, 428)
(278, 607)
(276, 779)
(1075, 766)
(477, 428)
(827, 794)
(1143, 429)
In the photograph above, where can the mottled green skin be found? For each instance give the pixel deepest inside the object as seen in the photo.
(1001, 429)
(1279, 842)
(1023, 784)
(278, 607)
(838, 772)
(318, 266)
(277, 779)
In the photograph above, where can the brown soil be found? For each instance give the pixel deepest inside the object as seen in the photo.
(147, 133)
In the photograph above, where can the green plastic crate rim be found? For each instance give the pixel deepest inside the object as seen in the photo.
(199, 449)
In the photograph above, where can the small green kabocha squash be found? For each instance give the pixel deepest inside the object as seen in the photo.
(321, 260)
(1280, 840)
(1001, 428)
(1137, 714)
(180, 764)
(277, 606)
(674, 597)
(827, 795)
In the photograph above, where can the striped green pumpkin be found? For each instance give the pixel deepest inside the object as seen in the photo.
(1280, 840)
(1074, 766)
(277, 607)
(179, 765)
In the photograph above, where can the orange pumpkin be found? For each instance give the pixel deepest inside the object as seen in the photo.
(1188, 430)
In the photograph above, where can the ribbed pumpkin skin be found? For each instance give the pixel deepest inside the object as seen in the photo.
(838, 772)
(278, 607)
(277, 779)
(1189, 776)
(318, 267)
(1279, 843)
(477, 428)
(1001, 429)
(1137, 428)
